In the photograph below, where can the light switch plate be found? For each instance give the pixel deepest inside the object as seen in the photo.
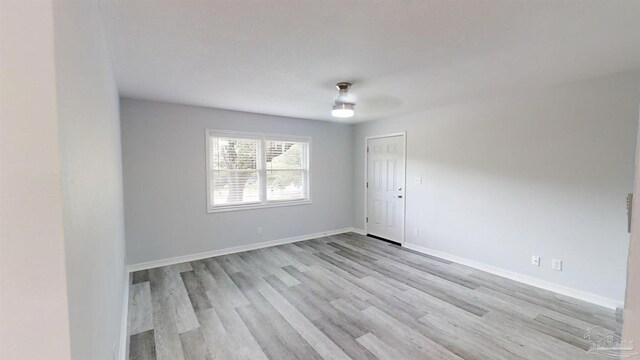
(418, 179)
(556, 264)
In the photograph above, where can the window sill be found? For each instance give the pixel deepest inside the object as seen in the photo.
(272, 204)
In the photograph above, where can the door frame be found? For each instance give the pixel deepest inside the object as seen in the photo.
(631, 314)
(404, 184)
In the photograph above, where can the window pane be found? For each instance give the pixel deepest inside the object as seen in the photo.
(235, 187)
(286, 155)
(234, 162)
(285, 185)
(231, 153)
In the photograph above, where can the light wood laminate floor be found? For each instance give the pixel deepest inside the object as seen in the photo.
(350, 297)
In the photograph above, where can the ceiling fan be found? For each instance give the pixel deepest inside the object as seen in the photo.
(344, 107)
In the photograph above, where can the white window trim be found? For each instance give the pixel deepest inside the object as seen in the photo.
(263, 137)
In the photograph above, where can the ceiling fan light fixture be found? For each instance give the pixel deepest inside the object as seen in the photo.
(343, 110)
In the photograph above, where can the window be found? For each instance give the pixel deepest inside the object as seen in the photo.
(248, 170)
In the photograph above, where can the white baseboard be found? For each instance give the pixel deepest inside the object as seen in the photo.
(359, 231)
(232, 250)
(124, 328)
(525, 279)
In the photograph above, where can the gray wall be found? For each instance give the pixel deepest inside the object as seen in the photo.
(91, 173)
(544, 172)
(165, 186)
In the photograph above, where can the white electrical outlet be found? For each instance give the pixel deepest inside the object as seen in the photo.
(259, 230)
(416, 232)
(535, 260)
(556, 264)
(418, 179)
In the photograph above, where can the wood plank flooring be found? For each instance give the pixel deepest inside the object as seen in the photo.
(350, 297)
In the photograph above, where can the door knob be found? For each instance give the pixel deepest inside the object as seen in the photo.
(399, 196)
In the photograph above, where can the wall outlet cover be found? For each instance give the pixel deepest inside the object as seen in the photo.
(556, 264)
(535, 260)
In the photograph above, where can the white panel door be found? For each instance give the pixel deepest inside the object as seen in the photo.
(385, 187)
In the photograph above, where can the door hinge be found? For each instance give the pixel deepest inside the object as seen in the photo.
(367, 219)
(367, 184)
(367, 149)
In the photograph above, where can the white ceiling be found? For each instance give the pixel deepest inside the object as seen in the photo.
(284, 57)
